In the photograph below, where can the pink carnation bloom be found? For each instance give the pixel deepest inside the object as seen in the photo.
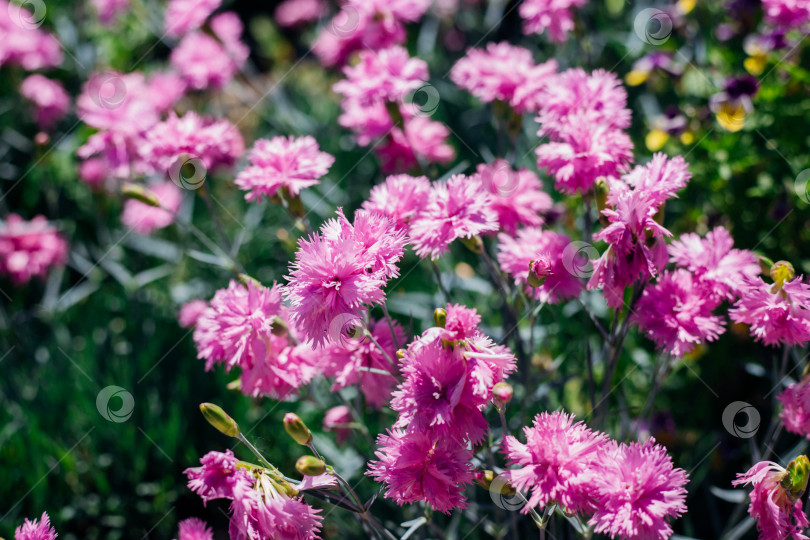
(145, 219)
(339, 271)
(556, 463)
(516, 252)
(36, 530)
(528, 97)
(194, 529)
(205, 62)
(29, 248)
(337, 419)
(637, 491)
(420, 467)
(713, 261)
(93, 172)
(228, 28)
(676, 313)
(778, 515)
(423, 140)
(776, 315)
(400, 198)
(795, 413)
(217, 476)
(552, 15)
(293, 163)
(787, 14)
(23, 43)
(344, 359)
(165, 90)
(49, 98)
(386, 75)
(458, 208)
(662, 178)
(292, 13)
(190, 312)
(497, 72)
(517, 196)
(110, 10)
(183, 16)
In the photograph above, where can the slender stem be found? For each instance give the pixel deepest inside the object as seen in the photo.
(206, 197)
(256, 452)
(381, 348)
(390, 325)
(438, 274)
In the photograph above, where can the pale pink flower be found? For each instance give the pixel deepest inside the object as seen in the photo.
(145, 219)
(676, 313)
(776, 315)
(795, 415)
(400, 198)
(515, 253)
(194, 529)
(419, 467)
(190, 312)
(36, 529)
(528, 97)
(183, 16)
(228, 28)
(387, 75)
(293, 163)
(337, 419)
(204, 62)
(557, 462)
(292, 13)
(165, 90)
(93, 172)
(29, 248)
(49, 98)
(554, 16)
(458, 208)
(23, 43)
(110, 10)
(637, 490)
(662, 177)
(517, 195)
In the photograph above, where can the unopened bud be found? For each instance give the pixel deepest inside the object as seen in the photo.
(297, 429)
(781, 272)
(280, 327)
(310, 466)
(601, 189)
(41, 138)
(539, 270)
(400, 354)
(219, 419)
(484, 478)
(474, 244)
(244, 279)
(503, 392)
(440, 317)
(795, 481)
(140, 193)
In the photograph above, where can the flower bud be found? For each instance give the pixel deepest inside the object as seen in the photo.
(440, 317)
(310, 466)
(484, 478)
(297, 429)
(539, 270)
(280, 327)
(244, 279)
(139, 193)
(219, 419)
(474, 244)
(798, 473)
(502, 392)
(487, 478)
(400, 354)
(782, 271)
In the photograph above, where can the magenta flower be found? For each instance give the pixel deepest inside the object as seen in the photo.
(712, 260)
(775, 314)
(400, 198)
(36, 530)
(458, 208)
(48, 97)
(420, 467)
(183, 16)
(93, 172)
(293, 163)
(637, 491)
(778, 511)
(515, 253)
(165, 90)
(662, 177)
(552, 15)
(204, 62)
(190, 313)
(795, 413)
(145, 219)
(387, 75)
(337, 419)
(292, 13)
(517, 195)
(23, 43)
(422, 141)
(556, 463)
(786, 14)
(29, 248)
(676, 313)
(528, 97)
(217, 477)
(194, 529)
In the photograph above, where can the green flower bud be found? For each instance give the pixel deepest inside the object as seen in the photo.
(782, 271)
(140, 193)
(310, 466)
(297, 429)
(474, 244)
(798, 473)
(219, 419)
(440, 317)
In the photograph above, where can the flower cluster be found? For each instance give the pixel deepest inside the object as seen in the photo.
(777, 313)
(29, 248)
(554, 16)
(795, 415)
(50, 100)
(24, 44)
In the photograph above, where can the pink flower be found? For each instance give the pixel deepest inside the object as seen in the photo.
(517, 196)
(419, 467)
(637, 490)
(458, 208)
(205, 62)
(36, 530)
(676, 313)
(515, 253)
(497, 72)
(228, 28)
(217, 477)
(528, 97)
(190, 312)
(293, 163)
(556, 462)
(713, 261)
(400, 198)
(779, 513)
(49, 98)
(183, 16)
(292, 13)
(387, 75)
(165, 89)
(552, 15)
(93, 172)
(662, 177)
(145, 219)
(423, 140)
(337, 419)
(24, 44)
(194, 529)
(787, 13)
(110, 10)
(29, 248)
(339, 271)
(776, 314)
(795, 413)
